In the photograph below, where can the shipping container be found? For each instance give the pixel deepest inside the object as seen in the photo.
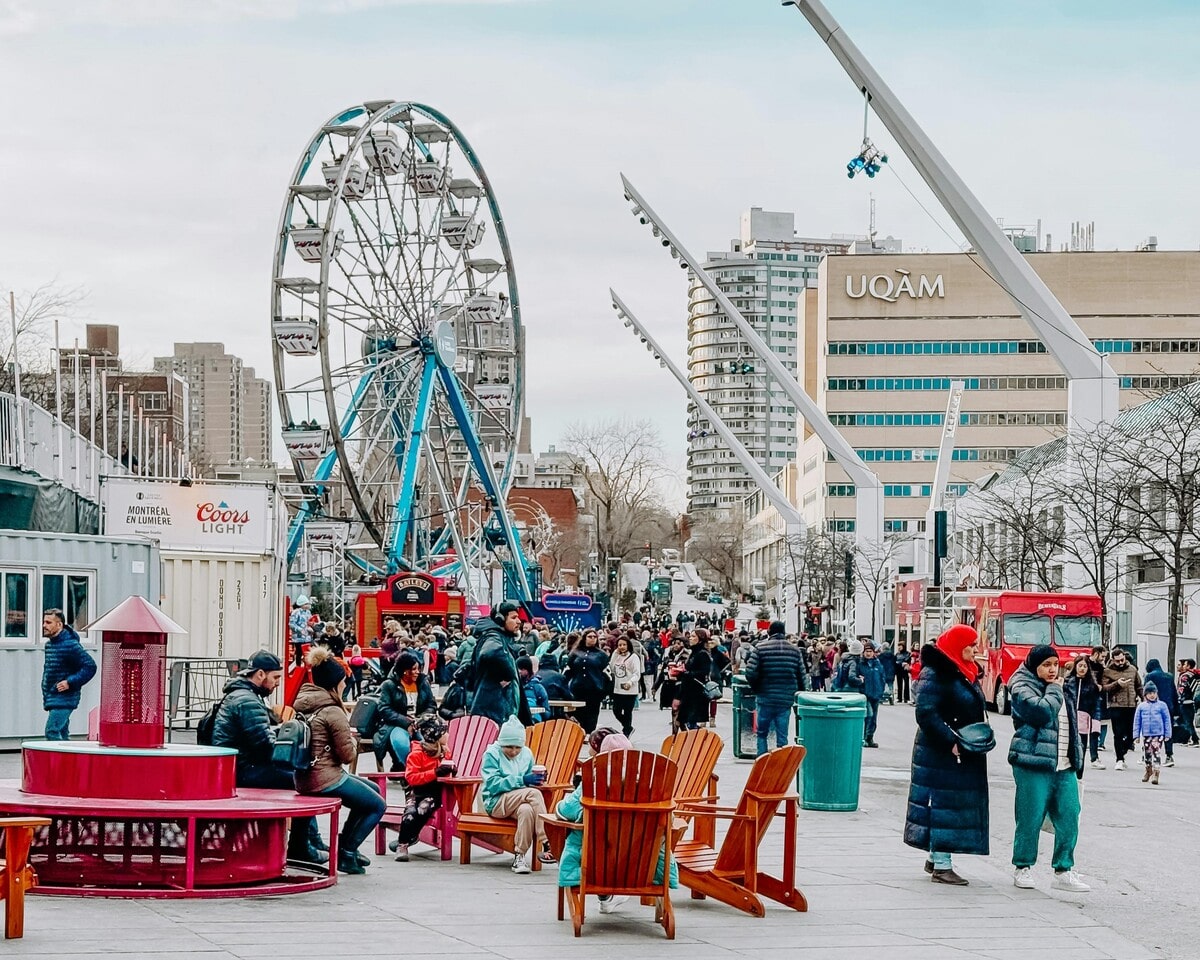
(231, 605)
(85, 576)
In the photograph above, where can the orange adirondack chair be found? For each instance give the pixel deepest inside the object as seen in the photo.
(16, 875)
(555, 744)
(466, 740)
(627, 811)
(730, 874)
(695, 753)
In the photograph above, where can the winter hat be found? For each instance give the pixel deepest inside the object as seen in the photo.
(302, 601)
(431, 728)
(1149, 687)
(777, 629)
(263, 660)
(1039, 655)
(854, 648)
(953, 642)
(614, 742)
(327, 673)
(512, 734)
(598, 737)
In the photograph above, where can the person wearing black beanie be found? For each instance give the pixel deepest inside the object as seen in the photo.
(1046, 757)
(333, 744)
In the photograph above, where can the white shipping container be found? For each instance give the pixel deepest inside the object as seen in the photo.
(230, 604)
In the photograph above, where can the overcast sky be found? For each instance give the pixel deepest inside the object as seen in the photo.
(146, 146)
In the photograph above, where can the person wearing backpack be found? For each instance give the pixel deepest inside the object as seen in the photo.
(334, 743)
(242, 721)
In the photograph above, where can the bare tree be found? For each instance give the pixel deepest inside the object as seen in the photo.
(1161, 452)
(716, 545)
(36, 311)
(1093, 484)
(622, 466)
(815, 563)
(1021, 527)
(873, 568)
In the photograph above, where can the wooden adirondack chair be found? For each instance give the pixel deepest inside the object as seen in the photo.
(466, 740)
(555, 744)
(627, 819)
(16, 875)
(695, 753)
(730, 874)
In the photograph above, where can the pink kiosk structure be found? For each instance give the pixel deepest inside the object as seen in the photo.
(132, 816)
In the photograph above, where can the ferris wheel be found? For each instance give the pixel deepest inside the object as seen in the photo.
(398, 344)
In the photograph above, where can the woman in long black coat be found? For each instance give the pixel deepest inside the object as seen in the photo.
(948, 798)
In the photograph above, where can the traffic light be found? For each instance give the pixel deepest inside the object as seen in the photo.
(939, 545)
(849, 572)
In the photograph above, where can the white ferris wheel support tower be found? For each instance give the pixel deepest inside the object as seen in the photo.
(868, 491)
(1093, 388)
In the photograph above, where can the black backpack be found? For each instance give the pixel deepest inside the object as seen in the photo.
(208, 725)
(364, 717)
(293, 745)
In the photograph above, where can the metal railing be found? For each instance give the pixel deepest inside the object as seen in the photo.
(32, 439)
(193, 686)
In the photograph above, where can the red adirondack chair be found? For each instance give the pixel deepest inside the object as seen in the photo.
(16, 875)
(695, 753)
(555, 744)
(627, 820)
(467, 740)
(730, 873)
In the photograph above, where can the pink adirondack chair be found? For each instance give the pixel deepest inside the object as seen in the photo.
(467, 740)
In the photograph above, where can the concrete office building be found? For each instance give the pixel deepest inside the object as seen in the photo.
(765, 273)
(891, 332)
(229, 408)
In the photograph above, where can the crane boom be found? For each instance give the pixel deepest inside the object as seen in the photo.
(1093, 392)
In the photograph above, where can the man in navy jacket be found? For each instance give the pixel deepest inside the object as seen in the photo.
(66, 669)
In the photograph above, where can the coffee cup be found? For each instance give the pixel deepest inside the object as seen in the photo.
(539, 770)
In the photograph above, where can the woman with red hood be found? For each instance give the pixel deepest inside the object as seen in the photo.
(948, 797)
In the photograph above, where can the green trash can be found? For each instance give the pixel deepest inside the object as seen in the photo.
(745, 733)
(830, 728)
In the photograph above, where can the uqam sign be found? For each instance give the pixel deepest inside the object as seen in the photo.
(890, 288)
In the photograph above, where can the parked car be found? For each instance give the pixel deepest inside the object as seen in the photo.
(691, 589)
(715, 598)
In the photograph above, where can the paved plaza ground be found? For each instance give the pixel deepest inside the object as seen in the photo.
(868, 896)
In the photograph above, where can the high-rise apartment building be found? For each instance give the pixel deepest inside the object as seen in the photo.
(765, 273)
(891, 333)
(229, 409)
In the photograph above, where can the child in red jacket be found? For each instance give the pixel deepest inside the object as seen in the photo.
(428, 760)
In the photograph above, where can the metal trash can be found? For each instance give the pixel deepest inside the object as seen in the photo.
(745, 732)
(830, 728)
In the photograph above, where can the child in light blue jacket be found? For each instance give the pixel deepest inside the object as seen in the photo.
(1152, 725)
(510, 793)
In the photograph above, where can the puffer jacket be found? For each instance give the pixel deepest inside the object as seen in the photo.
(775, 670)
(244, 724)
(1152, 719)
(1122, 694)
(396, 711)
(1035, 708)
(1084, 695)
(948, 797)
(333, 742)
(65, 659)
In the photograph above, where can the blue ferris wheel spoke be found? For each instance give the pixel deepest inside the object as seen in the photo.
(402, 519)
(487, 479)
(324, 471)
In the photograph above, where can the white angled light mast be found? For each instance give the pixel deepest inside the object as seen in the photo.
(868, 490)
(1093, 389)
(793, 523)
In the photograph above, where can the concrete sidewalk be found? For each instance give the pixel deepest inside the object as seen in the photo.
(867, 896)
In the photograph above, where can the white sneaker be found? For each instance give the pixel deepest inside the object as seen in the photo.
(1069, 880)
(1120, 765)
(1098, 765)
(1023, 878)
(402, 853)
(610, 904)
(1170, 761)
(520, 864)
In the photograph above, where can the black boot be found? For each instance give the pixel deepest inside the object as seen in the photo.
(348, 863)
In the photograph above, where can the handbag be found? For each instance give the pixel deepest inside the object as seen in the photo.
(976, 737)
(712, 690)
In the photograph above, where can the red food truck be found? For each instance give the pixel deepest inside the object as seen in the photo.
(1010, 624)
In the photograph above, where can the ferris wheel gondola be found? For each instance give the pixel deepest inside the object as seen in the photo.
(398, 343)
